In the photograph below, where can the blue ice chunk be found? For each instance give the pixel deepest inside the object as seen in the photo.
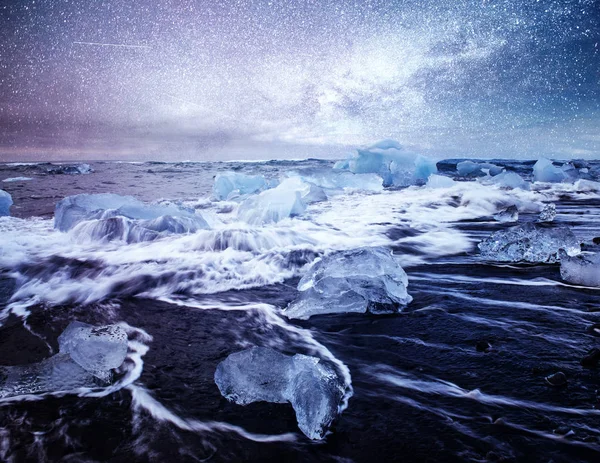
(510, 214)
(545, 171)
(338, 181)
(229, 184)
(359, 280)
(440, 181)
(87, 356)
(392, 163)
(288, 199)
(424, 167)
(580, 270)
(74, 209)
(469, 169)
(530, 243)
(261, 374)
(508, 179)
(5, 203)
(96, 349)
(59, 373)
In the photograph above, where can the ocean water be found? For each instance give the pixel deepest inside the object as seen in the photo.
(421, 390)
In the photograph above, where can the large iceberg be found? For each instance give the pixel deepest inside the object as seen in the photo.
(289, 199)
(230, 184)
(359, 280)
(545, 171)
(263, 374)
(110, 217)
(391, 162)
(5, 203)
(580, 270)
(530, 243)
(87, 357)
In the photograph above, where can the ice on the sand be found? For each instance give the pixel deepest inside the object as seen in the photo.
(530, 243)
(440, 181)
(5, 203)
(391, 162)
(288, 199)
(583, 269)
(87, 356)
(95, 349)
(230, 184)
(548, 213)
(545, 171)
(510, 214)
(59, 373)
(314, 390)
(359, 280)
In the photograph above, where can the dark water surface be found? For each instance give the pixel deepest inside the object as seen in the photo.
(457, 376)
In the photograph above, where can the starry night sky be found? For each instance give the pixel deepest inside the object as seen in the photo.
(247, 79)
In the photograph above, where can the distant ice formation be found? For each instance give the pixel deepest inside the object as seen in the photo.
(545, 171)
(477, 169)
(5, 203)
(359, 280)
(580, 270)
(114, 217)
(391, 162)
(70, 169)
(263, 374)
(17, 179)
(530, 243)
(230, 184)
(87, 356)
(440, 181)
(335, 181)
(509, 180)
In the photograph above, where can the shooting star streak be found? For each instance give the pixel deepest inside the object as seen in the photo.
(119, 45)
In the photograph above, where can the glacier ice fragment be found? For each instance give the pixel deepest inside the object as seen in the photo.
(583, 269)
(530, 243)
(391, 162)
(440, 181)
(509, 180)
(545, 171)
(314, 389)
(96, 349)
(86, 357)
(548, 213)
(359, 280)
(5, 203)
(510, 214)
(114, 217)
(228, 184)
(288, 199)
